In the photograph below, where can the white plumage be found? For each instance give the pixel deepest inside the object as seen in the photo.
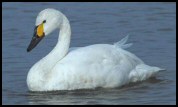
(98, 65)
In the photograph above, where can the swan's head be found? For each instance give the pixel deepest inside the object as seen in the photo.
(46, 22)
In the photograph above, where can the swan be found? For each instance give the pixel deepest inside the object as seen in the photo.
(89, 67)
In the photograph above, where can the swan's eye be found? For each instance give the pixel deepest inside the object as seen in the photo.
(44, 21)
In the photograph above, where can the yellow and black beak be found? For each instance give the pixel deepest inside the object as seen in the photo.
(37, 37)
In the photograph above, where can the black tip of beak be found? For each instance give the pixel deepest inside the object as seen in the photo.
(28, 50)
(35, 40)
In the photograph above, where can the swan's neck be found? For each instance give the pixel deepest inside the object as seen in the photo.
(61, 48)
(37, 74)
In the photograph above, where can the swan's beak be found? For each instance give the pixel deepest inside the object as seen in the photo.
(37, 37)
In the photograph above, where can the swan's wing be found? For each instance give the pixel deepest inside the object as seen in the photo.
(99, 65)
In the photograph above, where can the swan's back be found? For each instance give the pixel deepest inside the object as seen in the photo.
(103, 53)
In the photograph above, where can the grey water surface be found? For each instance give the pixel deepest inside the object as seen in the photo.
(152, 30)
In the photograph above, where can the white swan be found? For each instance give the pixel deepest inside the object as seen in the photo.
(98, 65)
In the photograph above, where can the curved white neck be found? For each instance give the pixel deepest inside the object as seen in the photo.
(36, 75)
(61, 48)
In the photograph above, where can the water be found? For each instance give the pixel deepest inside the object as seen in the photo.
(152, 29)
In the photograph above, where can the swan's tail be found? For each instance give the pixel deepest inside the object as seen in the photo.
(121, 43)
(143, 72)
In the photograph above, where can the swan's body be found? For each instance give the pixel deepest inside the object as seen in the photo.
(99, 65)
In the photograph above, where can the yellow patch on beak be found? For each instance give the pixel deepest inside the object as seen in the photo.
(40, 30)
